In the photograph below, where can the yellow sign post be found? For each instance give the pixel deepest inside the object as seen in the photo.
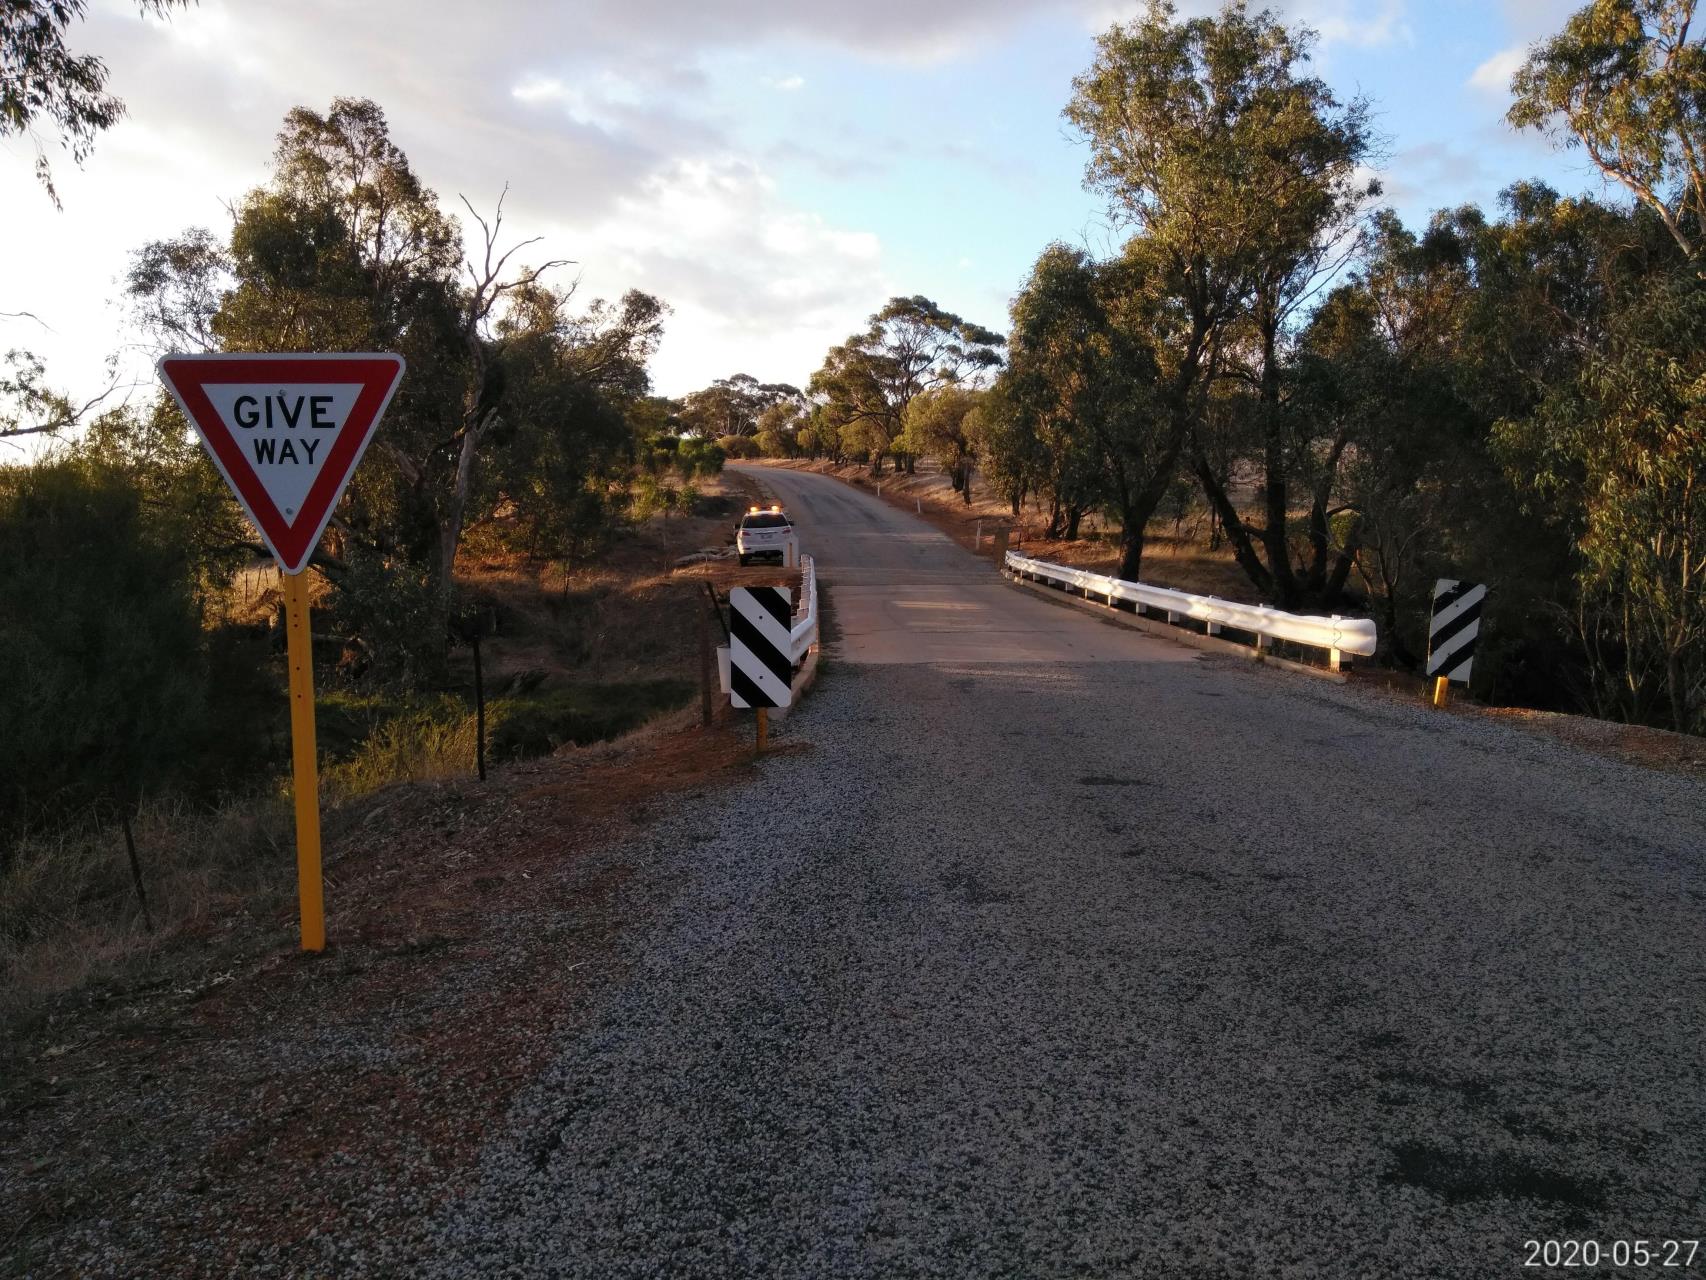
(287, 430)
(305, 772)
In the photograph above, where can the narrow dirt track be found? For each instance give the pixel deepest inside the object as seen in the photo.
(1070, 952)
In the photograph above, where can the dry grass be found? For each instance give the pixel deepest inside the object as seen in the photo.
(69, 914)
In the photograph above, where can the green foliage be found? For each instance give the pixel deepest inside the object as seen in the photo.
(41, 80)
(700, 458)
(935, 425)
(579, 714)
(520, 409)
(1242, 177)
(733, 406)
(911, 346)
(385, 606)
(103, 632)
(1623, 448)
(739, 447)
(1626, 83)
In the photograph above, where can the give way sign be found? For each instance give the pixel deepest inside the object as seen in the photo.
(286, 432)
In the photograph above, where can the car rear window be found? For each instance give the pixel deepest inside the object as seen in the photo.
(765, 520)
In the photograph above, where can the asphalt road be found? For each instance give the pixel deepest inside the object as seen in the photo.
(1061, 951)
(906, 594)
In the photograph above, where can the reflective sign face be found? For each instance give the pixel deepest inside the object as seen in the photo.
(286, 431)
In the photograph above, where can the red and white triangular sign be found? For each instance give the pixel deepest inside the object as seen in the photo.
(286, 431)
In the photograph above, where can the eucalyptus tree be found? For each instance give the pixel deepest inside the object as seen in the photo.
(1621, 447)
(1240, 176)
(1625, 81)
(42, 80)
(732, 406)
(1087, 342)
(911, 346)
(940, 424)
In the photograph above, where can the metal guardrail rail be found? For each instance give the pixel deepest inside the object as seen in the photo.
(803, 633)
(1336, 635)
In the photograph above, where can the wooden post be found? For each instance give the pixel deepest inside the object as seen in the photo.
(763, 728)
(479, 707)
(135, 868)
(706, 673)
(1442, 691)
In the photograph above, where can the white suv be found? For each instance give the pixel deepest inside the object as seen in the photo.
(764, 532)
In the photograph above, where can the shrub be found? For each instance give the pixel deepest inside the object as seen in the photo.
(108, 693)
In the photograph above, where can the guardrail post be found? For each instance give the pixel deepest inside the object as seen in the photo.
(1261, 644)
(1334, 660)
(1172, 617)
(1213, 628)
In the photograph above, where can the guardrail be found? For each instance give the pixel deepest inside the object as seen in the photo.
(803, 633)
(1334, 634)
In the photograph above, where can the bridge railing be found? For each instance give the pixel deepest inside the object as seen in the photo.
(803, 633)
(1334, 634)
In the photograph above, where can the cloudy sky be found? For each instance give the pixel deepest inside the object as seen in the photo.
(773, 169)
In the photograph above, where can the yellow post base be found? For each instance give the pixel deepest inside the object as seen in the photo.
(1442, 691)
(305, 775)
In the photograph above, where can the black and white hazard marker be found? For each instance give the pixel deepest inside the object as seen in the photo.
(1456, 624)
(761, 664)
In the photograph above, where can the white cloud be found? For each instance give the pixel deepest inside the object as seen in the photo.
(601, 120)
(1494, 75)
(787, 84)
(1351, 22)
(756, 284)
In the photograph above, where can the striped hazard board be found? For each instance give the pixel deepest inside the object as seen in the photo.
(1456, 624)
(761, 665)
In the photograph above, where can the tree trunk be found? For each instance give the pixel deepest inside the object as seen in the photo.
(450, 530)
(1131, 549)
(1243, 545)
(1335, 583)
(1074, 516)
(1284, 583)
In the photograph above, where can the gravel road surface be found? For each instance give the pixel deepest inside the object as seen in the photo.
(1085, 954)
